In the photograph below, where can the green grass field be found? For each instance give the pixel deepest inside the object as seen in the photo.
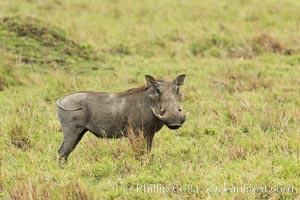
(242, 60)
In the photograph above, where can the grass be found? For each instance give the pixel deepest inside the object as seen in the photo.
(242, 89)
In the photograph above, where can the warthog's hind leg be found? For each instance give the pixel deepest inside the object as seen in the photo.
(72, 136)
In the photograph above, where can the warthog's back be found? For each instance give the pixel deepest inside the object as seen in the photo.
(101, 113)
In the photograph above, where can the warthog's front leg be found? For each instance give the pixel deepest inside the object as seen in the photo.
(149, 138)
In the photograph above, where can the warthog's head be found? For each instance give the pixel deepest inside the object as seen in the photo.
(166, 98)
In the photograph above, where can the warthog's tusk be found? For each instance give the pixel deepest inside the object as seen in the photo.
(157, 115)
(186, 114)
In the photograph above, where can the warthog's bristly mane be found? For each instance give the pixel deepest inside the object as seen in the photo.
(126, 92)
(137, 89)
(133, 90)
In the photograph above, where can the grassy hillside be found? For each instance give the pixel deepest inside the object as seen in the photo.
(242, 60)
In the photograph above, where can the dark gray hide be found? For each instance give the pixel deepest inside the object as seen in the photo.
(145, 109)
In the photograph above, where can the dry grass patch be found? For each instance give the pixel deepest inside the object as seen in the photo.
(275, 118)
(237, 152)
(44, 190)
(236, 81)
(265, 43)
(137, 141)
(19, 136)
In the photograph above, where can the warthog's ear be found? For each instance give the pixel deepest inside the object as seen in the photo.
(151, 81)
(179, 81)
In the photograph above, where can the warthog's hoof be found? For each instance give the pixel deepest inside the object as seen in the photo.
(62, 161)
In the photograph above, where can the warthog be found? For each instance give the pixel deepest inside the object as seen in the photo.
(146, 109)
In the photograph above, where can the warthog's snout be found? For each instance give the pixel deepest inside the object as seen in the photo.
(174, 120)
(175, 123)
(174, 126)
(171, 118)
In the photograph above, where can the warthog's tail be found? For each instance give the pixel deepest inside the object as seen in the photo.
(62, 107)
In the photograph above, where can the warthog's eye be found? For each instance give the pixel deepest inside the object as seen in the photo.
(157, 90)
(156, 93)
